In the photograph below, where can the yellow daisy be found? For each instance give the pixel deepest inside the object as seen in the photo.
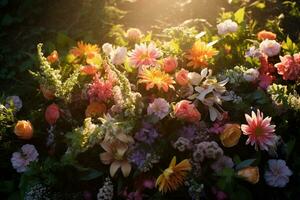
(173, 176)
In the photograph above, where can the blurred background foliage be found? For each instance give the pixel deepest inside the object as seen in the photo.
(60, 23)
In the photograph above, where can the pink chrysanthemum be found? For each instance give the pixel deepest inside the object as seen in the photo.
(100, 90)
(289, 67)
(145, 55)
(259, 130)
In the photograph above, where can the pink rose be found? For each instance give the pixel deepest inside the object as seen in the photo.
(185, 110)
(182, 77)
(170, 64)
(52, 114)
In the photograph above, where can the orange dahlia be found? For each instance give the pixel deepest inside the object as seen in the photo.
(199, 54)
(155, 77)
(173, 176)
(85, 49)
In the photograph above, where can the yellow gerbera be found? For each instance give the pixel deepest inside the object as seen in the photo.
(154, 76)
(173, 176)
(85, 49)
(199, 54)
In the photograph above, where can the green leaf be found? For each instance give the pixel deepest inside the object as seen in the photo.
(239, 15)
(91, 174)
(245, 163)
(6, 186)
(290, 146)
(241, 193)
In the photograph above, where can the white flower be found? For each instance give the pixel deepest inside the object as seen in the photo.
(159, 107)
(20, 160)
(228, 26)
(107, 48)
(270, 47)
(118, 56)
(251, 75)
(277, 174)
(194, 78)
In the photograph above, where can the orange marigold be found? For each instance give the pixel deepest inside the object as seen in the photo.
(85, 49)
(173, 177)
(95, 109)
(155, 77)
(262, 35)
(199, 54)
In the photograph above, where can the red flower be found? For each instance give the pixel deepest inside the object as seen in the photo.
(88, 69)
(52, 114)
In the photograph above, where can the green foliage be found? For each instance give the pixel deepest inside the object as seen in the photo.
(289, 47)
(280, 95)
(6, 119)
(52, 79)
(239, 15)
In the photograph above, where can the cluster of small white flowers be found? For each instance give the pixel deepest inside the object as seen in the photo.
(106, 192)
(210, 150)
(151, 158)
(37, 192)
(182, 144)
(235, 98)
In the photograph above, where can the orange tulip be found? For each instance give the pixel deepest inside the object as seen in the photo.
(250, 174)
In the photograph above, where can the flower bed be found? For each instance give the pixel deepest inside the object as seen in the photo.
(194, 112)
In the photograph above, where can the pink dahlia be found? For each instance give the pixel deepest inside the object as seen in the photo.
(259, 130)
(289, 67)
(144, 55)
(100, 90)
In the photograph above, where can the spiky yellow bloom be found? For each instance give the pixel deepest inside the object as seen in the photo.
(154, 76)
(85, 49)
(173, 176)
(199, 54)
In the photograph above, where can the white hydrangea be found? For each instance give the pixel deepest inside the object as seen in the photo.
(228, 26)
(270, 47)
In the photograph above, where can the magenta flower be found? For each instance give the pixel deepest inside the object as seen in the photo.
(259, 131)
(100, 90)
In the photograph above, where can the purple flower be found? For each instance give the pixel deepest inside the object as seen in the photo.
(221, 163)
(16, 101)
(278, 173)
(20, 160)
(138, 157)
(189, 132)
(147, 134)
